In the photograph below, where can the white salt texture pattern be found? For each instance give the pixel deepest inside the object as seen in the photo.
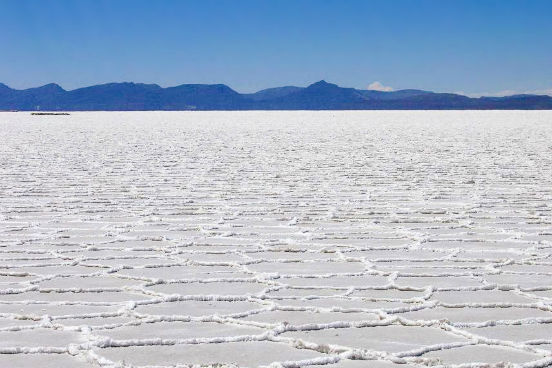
(276, 239)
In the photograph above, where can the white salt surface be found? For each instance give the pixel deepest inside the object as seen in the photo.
(281, 239)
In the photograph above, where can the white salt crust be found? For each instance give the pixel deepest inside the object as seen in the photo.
(276, 239)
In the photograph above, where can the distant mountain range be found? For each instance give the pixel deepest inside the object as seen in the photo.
(318, 96)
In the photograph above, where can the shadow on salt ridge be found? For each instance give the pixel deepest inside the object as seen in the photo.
(179, 330)
(294, 293)
(198, 308)
(298, 318)
(543, 293)
(127, 262)
(211, 257)
(422, 269)
(482, 354)
(346, 363)
(60, 269)
(43, 361)
(336, 281)
(10, 262)
(473, 315)
(310, 268)
(71, 297)
(243, 354)
(517, 333)
(9, 323)
(392, 338)
(544, 268)
(522, 280)
(211, 288)
(479, 296)
(95, 282)
(93, 322)
(14, 278)
(386, 294)
(291, 255)
(437, 281)
(39, 337)
(398, 254)
(340, 303)
(36, 311)
(491, 255)
(184, 272)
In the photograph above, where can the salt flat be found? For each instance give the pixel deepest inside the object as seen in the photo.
(281, 239)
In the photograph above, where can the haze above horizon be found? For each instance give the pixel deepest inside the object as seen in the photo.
(470, 47)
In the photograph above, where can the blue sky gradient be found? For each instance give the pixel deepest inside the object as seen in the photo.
(470, 46)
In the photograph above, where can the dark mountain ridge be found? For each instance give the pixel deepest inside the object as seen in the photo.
(318, 96)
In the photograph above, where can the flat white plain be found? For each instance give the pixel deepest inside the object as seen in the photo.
(282, 239)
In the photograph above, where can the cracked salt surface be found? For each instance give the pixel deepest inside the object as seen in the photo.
(282, 239)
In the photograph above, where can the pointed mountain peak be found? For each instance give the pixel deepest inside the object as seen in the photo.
(51, 87)
(322, 84)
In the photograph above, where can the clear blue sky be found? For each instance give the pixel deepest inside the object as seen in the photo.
(441, 45)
